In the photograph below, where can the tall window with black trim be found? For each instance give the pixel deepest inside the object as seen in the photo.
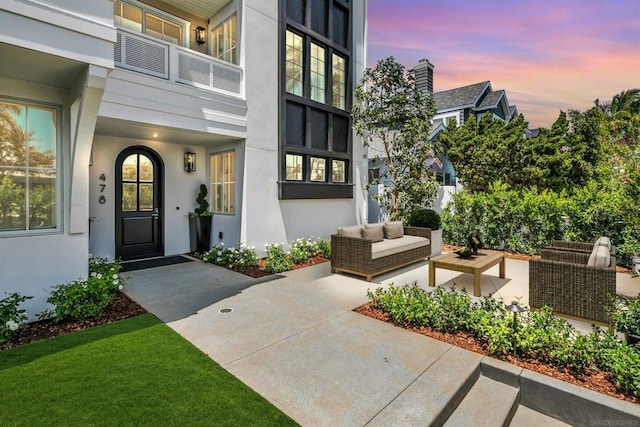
(315, 99)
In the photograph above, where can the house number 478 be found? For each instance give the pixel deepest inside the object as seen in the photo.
(102, 200)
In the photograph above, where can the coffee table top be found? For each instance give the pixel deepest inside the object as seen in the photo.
(479, 260)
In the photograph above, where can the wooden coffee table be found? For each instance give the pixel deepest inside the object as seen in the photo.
(475, 265)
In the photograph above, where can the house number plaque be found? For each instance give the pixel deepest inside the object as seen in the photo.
(102, 200)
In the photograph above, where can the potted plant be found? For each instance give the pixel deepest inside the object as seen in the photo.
(428, 218)
(624, 315)
(200, 221)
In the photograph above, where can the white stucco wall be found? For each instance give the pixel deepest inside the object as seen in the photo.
(265, 218)
(30, 263)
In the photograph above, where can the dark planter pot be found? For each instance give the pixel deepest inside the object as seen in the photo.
(200, 233)
(632, 338)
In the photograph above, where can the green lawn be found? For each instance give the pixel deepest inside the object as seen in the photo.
(133, 372)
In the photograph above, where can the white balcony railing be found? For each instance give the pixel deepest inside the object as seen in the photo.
(144, 54)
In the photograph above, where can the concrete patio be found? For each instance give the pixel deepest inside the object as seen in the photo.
(296, 341)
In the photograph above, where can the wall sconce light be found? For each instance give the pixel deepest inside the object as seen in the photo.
(201, 35)
(189, 162)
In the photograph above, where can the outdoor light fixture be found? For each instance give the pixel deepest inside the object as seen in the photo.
(515, 308)
(201, 35)
(189, 162)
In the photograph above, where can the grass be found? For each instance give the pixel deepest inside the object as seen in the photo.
(133, 372)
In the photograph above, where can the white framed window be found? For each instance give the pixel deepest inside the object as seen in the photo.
(143, 18)
(225, 40)
(318, 73)
(30, 197)
(294, 61)
(223, 182)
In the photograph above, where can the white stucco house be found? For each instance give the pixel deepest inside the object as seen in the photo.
(113, 112)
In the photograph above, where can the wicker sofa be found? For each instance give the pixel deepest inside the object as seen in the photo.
(355, 251)
(575, 283)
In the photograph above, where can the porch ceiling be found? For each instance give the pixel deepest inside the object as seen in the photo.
(146, 131)
(39, 67)
(204, 9)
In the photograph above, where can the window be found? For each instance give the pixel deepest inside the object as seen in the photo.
(294, 167)
(294, 63)
(29, 196)
(339, 73)
(224, 38)
(223, 182)
(338, 171)
(315, 139)
(318, 169)
(318, 79)
(137, 183)
(147, 20)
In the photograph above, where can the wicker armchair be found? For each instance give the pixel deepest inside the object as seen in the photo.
(565, 245)
(564, 281)
(353, 254)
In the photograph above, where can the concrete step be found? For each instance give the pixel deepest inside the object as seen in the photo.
(527, 417)
(434, 395)
(488, 403)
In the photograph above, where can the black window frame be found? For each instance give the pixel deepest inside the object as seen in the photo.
(308, 189)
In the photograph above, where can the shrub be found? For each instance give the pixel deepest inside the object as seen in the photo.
(235, 258)
(11, 316)
(323, 247)
(277, 260)
(624, 313)
(83, 299)
(424, 218)
(302, 250)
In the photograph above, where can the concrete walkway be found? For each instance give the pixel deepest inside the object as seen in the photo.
(296, 341)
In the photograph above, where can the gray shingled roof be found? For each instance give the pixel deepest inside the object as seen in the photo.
(460, 96)
(512, 110)
(491, 100)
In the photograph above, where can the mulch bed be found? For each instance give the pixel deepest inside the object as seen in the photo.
(598, 381)
(122, 307)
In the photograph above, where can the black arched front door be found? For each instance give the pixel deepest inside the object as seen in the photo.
(139, 207)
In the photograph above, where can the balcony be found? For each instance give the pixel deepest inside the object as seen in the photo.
(141, 53)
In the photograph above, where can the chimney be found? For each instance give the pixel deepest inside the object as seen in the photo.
(424, 75)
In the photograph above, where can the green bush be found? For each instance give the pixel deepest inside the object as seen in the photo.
(427, 218)
(234, 258)
(12, 317)
(83, 299)
(302, 250)
(277, 260)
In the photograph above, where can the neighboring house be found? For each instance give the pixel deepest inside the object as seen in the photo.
(112, 113)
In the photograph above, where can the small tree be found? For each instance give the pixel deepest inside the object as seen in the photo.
(394, 119)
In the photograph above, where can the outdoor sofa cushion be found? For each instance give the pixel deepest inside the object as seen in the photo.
(393, 230)
(394, 246)
(603, 241)
(373, 232)
(600, 257)
(350, 231)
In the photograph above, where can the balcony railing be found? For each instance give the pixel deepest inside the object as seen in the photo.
(141, 53)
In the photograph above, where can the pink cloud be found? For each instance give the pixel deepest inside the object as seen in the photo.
(551, 55)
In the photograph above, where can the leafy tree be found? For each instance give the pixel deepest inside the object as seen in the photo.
(486, 151)
(394, 119)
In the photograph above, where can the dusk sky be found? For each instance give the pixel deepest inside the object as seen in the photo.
(548, 55)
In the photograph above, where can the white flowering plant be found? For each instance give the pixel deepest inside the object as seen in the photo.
(86, 298)
(12, 316)
(277, 259)
(235, 258)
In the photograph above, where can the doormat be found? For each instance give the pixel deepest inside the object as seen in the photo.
(151, 263)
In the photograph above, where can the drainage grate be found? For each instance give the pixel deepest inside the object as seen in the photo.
(225, 310)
